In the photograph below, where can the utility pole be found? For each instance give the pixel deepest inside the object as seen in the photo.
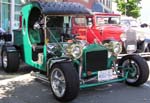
(125, 7)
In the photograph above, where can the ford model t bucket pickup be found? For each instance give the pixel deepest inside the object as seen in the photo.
(67, 62)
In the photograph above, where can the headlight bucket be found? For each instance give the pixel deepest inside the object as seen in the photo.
(114, 46)
(74, 50)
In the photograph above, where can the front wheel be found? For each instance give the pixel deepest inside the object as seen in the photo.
(138, 69)
(64, 81)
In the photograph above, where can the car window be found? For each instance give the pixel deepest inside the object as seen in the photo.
(131, 23)
(107, 20)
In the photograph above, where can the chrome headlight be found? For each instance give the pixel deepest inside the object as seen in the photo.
(123, 37)
(117, 48)
(114, 46)
(75, 51)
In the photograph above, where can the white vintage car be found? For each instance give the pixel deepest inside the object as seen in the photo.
(136, 39)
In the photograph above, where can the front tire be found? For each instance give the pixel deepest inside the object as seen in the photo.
(138, 72)
(64, 81)
(10, 60)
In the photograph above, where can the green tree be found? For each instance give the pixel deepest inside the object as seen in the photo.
(129, 7)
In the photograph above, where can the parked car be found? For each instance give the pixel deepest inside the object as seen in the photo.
(135, 38)
(67, 62)
(98, 26)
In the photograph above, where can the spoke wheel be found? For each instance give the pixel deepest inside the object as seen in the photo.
(137, 67)
(134, 73)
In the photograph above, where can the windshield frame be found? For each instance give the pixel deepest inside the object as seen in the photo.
(129, 22)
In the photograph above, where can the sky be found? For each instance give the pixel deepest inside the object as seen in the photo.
(145, 11)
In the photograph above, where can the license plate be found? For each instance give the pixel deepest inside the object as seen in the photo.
(131, 47)
(105, 75)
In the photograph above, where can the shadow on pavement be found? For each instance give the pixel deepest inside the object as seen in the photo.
(23, 69)
(25, 89)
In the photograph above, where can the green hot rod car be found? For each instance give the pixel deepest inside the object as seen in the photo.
(46, 43)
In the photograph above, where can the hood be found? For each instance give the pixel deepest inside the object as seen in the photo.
(112, 29)
(111, 32)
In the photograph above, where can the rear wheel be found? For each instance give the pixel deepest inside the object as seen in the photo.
(10, 60)
(138, 69)
(64, 81)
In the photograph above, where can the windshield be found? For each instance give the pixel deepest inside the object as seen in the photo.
(101, 20)
(58, 28)
(132, 23)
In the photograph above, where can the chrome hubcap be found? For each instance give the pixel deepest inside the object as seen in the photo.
(58, 82)
(5, 60)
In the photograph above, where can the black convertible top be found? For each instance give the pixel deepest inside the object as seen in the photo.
(62, 8)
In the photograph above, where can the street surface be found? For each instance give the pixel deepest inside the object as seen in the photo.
(21, 87)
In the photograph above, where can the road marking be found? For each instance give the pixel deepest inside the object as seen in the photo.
(147, 85)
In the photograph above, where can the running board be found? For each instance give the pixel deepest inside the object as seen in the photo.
(39, 76)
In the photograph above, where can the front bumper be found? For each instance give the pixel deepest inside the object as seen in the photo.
(147, 54)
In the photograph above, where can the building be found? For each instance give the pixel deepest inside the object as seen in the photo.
(9, 14)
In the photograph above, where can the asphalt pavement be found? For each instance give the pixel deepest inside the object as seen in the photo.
(21, 87)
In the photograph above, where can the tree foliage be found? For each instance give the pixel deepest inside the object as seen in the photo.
(129, 7)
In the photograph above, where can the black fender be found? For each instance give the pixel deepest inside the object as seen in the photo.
(146, 43)
(9, 48)
(143, 45)
(53, 61)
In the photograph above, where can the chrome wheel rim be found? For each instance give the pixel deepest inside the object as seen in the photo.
(134, 73)
(5, 60)
(58, 83)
